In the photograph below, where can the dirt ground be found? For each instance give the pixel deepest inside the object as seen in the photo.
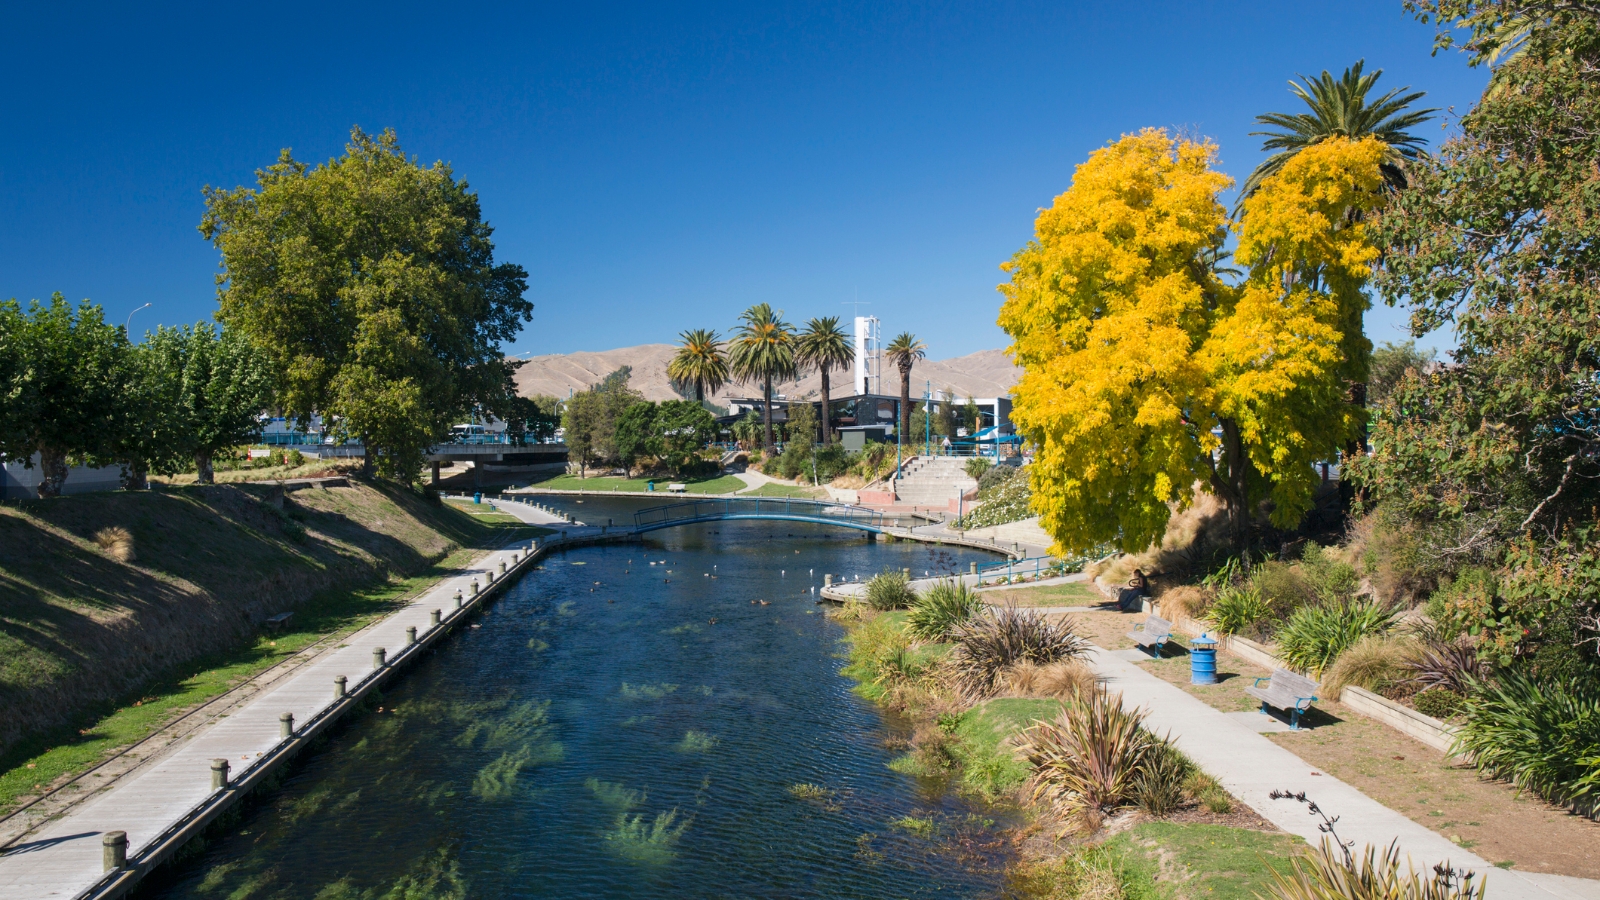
(1487, 817)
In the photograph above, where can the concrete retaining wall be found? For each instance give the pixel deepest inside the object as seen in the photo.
(1404, 719)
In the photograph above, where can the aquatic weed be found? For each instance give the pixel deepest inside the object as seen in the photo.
(616, 795)
(921, 826)
(647, 691)
(697, 742)
(652, 843)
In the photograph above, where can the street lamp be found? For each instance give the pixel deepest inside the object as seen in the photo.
(130, 318)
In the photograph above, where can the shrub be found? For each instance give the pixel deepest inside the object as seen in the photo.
(294, 459)
(1452, 665)
(1090, 758)
(1314, 636)
(998, 639)
(1281, 587)
(1158, 788)
(890, 589)
(993, 476)
(1543, 736)
(1333, 873)
(942, 607)
(1375, 662)
(1006, 501)
(1438, 702)
(1186, 600)
(1060, 679)
(1328, 578)
(977, 467)
(117, 542)
(1208, 792)
(1239, 610)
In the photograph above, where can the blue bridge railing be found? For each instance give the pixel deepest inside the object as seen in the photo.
(817, 511)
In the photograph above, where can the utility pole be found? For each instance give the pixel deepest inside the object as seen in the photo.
(927, 418)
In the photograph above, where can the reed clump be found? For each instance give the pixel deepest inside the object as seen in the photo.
(116, 542)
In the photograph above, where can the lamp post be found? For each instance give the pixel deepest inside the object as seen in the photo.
(130, 318)
(927, 418)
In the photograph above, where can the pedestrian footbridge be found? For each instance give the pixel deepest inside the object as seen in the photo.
(781, 509)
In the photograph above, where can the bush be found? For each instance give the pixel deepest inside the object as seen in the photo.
(1089, 761)
(117, 542)
(1452, 665)
(1375, 662)
(1437, 702)
(1281, 587)
(1239, 610)
(1006, 501)
(993, 476)
(977, 467)
(1328, 578)
(1185, 600)
(942, 607)
(1543, 736)
(998, 639)
(1059, 679)
(890, 589)
(1314, 636)
(294, 459)
(1332, 873)
(1158, 788)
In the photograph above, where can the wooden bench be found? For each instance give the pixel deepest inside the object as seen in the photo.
(1152, 635)
(1287, 691)
(279, 621)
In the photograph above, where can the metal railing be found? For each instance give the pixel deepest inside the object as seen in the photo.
(818, 511)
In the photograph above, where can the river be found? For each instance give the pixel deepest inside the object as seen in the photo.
(664, 719)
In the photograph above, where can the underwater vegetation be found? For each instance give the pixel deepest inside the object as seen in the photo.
(652, 843)
(647, 691)
(697, 742)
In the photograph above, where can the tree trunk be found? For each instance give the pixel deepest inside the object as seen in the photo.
(1355, 449)
(1232, 487)
(827, 420)
(138, 476)
(767, 409)
(905, 403)
(52, 471)
(368, 466)
(203, 473)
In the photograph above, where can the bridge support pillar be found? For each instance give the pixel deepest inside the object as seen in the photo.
(872, 537)
(435, 473)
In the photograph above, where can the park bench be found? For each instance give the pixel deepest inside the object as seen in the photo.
(1287, 691)
(677, 487)
(279, 621)
(1152, 635)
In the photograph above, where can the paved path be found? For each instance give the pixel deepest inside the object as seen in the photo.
(1251, 767)
(63, 857)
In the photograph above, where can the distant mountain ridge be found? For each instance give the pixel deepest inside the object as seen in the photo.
(987, 373)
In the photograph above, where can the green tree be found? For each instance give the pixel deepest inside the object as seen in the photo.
(371, 283)
(583, 424)
(226, 384)
(825, 346)
(1499, 236)
(1390, 363)
(533, 420)
(1339, 108)
(699, 363)
(151, 435)
(905, 351)
(682, 429)
(763, 350)
(635, 435)
(69, 381)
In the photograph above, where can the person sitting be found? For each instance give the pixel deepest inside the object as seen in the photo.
(1131, 598)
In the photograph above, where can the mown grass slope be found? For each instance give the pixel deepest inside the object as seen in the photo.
(81, 632)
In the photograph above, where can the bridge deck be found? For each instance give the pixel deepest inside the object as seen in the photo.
(770, 508)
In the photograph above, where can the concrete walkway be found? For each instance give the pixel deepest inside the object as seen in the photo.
(63, 858)
(1251, 767)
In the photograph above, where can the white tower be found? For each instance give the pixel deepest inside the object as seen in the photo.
(869, 356)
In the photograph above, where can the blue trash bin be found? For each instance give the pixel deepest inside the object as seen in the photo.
(1203, 660)
(477, 498)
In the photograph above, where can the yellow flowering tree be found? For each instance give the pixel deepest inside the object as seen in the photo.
(1145, 375)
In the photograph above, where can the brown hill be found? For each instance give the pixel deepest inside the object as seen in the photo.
(987, 373)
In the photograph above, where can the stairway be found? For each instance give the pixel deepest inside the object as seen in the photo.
(932, 480)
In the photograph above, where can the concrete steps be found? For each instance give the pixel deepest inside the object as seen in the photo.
(932, 480)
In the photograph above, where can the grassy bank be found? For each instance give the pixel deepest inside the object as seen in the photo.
(99, 647)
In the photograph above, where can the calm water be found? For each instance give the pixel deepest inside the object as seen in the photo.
(621, 729)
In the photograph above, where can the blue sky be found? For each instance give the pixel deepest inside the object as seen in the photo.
(654, 167)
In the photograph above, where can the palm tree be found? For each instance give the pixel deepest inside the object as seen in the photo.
(699, 362)
(762, 350)
(1339, 108)
(904, 351)
(824, 344)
